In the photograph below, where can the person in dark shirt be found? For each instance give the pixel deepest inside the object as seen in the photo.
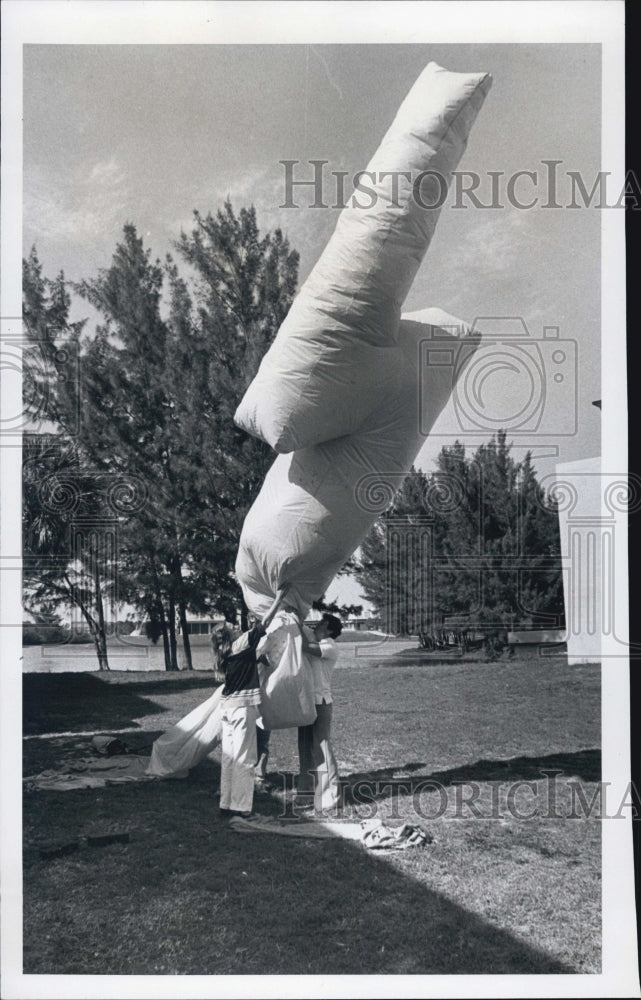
(240, 666)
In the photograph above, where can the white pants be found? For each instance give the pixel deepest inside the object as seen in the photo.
(238, 756)
(318, 767)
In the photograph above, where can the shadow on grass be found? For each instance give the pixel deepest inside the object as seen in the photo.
(67, 702)
(188, 895)
(383, 782)
(173, 682)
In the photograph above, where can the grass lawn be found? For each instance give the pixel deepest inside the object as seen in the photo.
(439, 744)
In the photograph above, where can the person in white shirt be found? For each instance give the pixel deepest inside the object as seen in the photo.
(318, 781)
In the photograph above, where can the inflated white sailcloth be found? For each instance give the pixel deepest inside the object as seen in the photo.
(345, 394)
(317, 504)
(321, 376)
(341, 387)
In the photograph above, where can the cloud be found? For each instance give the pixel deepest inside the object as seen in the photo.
(107, 174)
(495, 245)
(84, 205)
(264, 187)
(242, 188)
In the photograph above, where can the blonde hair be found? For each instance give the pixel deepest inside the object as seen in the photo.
(221, 640)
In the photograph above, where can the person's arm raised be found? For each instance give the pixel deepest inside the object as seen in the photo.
(278, 600)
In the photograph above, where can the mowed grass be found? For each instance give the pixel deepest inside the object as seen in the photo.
(443, 745)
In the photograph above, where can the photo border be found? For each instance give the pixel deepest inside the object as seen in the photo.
(82, 22)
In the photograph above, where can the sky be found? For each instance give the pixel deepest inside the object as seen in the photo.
(146, 134)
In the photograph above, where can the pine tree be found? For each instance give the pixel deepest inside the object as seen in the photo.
(541, 590)
(243, 285)
(392, 568)
(127, 424)
(161, 378)
(494, 556)
(68, 556)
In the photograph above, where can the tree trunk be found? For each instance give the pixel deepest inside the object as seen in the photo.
(173, 655)
(165, 635)
(182, 611)
(162, 619)
(101, 650)
(100, 638)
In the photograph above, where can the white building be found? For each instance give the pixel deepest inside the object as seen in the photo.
(586, 552)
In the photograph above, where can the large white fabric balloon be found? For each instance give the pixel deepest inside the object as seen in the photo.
(325, 373)
(316, 505)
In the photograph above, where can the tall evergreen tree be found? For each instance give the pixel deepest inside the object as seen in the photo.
(127, 424)
(68, 556)
(242, 287)
(494, 545)
(160, 382)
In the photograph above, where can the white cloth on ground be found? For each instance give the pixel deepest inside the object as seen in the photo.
(373, 834)
(90, 772)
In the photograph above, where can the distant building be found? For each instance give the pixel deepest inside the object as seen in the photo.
(362, 624)
(196, 625)
(203, 624)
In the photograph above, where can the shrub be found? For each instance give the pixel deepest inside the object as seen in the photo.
(42, 635)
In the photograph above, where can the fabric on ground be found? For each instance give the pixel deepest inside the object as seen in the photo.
(79, 733)
(91, 772)
(373, 834)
